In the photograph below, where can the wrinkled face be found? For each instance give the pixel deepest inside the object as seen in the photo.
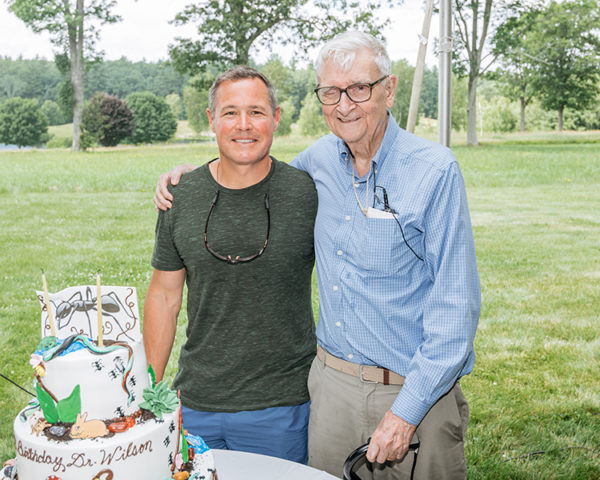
(358, 123)
(243, 121)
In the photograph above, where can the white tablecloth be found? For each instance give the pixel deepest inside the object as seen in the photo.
(232, 465)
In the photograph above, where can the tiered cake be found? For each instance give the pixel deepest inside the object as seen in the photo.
(99, 414)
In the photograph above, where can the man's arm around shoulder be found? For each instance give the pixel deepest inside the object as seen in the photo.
(162, 305)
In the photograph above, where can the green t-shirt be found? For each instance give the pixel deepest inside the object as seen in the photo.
(250, 333)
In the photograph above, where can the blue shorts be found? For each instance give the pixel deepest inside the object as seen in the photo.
(277, 431)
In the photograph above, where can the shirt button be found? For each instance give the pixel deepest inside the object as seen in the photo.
(350, 356)
(339, 252)
(338, 324)
(335, 288)
(356, 185)
(348, 217)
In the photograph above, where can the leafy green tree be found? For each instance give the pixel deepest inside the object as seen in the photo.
(473, 20)
(107, 120)
(516, 66)
(71, 26)
(52, 112)
(285, 119)
(459, 103)
(195, 99)
(22, 123)
(228, 29)
(280, 77)
(429, 93)
(405, 74)
(35, 78)
(66, 100)
(567, 52)
(176, 105)
(154, 120)
(311, 121)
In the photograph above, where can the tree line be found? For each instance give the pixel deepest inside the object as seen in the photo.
(186, 96)
(540, 52)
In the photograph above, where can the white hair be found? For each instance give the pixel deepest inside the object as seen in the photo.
(343, 47)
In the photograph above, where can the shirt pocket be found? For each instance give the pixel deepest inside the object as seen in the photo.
(383, 249)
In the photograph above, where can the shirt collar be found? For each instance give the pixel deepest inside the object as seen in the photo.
(391, 132)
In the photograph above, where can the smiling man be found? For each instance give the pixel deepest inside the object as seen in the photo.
(242, 242)
(399, 290)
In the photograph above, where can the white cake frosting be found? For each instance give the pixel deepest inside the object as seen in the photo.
(113, 437)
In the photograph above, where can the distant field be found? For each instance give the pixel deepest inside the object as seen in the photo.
(534, 203)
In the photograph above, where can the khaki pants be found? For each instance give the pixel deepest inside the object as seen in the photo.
(345, 411)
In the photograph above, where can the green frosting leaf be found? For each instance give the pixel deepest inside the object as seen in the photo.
(185, 456)
(46, 404)
(152, 375)
(69, 407)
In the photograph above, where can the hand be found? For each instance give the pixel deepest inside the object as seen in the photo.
(162, 197)
(391, 439)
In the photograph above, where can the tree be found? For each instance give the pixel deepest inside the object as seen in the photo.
(154, 120)
(107, 120)
(228, 29)
(311, 119)
(72, 31)
(516, 66)
(568, 53)
(472, 18)
(195, 99)
(285, 119)
(22, 123)
(176, 105)
(405, 74)
(52, 112)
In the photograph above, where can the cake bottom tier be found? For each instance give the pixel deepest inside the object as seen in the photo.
(147, 450)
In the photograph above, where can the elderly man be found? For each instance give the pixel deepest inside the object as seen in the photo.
(398, 283)
(237, 235)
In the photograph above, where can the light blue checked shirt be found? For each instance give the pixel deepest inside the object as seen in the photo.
(379, 303)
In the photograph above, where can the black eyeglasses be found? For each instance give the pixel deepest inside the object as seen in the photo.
(387, 208)
(237, 259)
(357, 92)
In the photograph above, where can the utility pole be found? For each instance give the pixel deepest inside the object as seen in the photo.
(418, 78)
(445, 78)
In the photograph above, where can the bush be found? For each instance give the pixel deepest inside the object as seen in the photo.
(22, 123)
(59, 142)
(154, 119)
(107, 120)
(53, 113)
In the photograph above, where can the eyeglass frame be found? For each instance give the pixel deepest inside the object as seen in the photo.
(228, 259)
(345, 90)
(389, 209)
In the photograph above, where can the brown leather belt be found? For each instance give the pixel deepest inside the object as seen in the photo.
(366, 373)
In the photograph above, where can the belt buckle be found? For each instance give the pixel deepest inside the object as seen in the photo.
(362, 379)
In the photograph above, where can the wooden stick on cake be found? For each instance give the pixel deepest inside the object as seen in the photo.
(47, 302)
(99, 306)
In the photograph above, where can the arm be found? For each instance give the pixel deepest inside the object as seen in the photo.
(449, 317)
(162, 305)
(162, 197)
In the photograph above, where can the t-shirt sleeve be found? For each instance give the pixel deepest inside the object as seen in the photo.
(165, 256)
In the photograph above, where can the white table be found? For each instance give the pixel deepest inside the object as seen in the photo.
(232, 465)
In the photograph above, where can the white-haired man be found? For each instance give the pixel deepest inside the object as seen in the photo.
(398, 284)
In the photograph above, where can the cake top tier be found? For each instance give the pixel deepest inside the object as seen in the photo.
(74, 311)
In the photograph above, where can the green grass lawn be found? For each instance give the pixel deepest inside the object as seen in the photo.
(535, 209)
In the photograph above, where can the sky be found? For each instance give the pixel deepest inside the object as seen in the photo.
(145, 33)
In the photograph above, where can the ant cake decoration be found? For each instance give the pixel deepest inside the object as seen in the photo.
(98, 411)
